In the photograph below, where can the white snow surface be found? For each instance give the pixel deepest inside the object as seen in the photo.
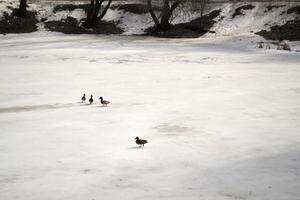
(129, 22)
(5, 5)
(77, 14)
(222, 118)
(253, 20)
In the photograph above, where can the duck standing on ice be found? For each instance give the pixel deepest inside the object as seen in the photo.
(140, 142)
(104, 102)
(83, 98)
(91, 100)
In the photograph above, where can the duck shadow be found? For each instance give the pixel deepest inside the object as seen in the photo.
(134, 147)
(85, 104)
(102, 106)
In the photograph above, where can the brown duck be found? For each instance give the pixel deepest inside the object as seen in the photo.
(104, 102)
(140, 142)
(91, 100)
(83, 98)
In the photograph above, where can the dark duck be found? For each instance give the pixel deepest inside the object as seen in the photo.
(104, 102)
(83, 98)
(140, 141)
(91, 100)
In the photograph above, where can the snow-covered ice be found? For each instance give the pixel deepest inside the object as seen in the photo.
(222, 118)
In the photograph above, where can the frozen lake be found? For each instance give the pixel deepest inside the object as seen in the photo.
(222, 119)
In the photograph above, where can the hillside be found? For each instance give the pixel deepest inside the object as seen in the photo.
(273, 21)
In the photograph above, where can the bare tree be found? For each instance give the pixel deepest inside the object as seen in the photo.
(162, 22)
(22, 11)
(168, 10)
(96, 12)
(202, 6)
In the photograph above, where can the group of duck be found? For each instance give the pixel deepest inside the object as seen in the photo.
(138, 141)
(91, 100)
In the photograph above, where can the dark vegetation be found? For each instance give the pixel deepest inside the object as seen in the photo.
(288, 31)
(96, 11)
(71, 7)
(22, 11)
(134, 8)
(90, 25)
(70, 25)
(193, 29)
(269, 8)
(239, 10)
(162, 20)
(295, 9)
(16, 24)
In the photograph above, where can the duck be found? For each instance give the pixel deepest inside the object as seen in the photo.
(83, 98)
(104, 102)
(140, 142)
(91, 100)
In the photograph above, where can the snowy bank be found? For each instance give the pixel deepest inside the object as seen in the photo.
(234, 19)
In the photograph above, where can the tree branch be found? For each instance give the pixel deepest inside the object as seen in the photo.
(97, 8)
(105, 10)
(91, 9)
(175, 5)
(155, 19)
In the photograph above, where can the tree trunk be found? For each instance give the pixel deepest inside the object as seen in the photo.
(105, 10)
(92, 16)
(165, 16)
(163, 23)
(155, 19)
(97, 10)
(23, 8)
(89, 22)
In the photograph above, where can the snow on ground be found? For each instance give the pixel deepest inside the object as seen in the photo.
(6, 5)
(254, 20)
(77, 14)
(221, 118)
(129, 22)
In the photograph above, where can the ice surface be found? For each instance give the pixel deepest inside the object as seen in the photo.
(221, 117)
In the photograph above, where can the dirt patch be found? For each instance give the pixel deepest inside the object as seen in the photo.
(288, 31)
(176, 31)
(270, 8)
(193, 29)
(70, 25)
(203, 23)
(239, 10)
(295, 9)
(71, 7)
(104, 27)
(67, 26)
(134, 8)
(15, 24)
